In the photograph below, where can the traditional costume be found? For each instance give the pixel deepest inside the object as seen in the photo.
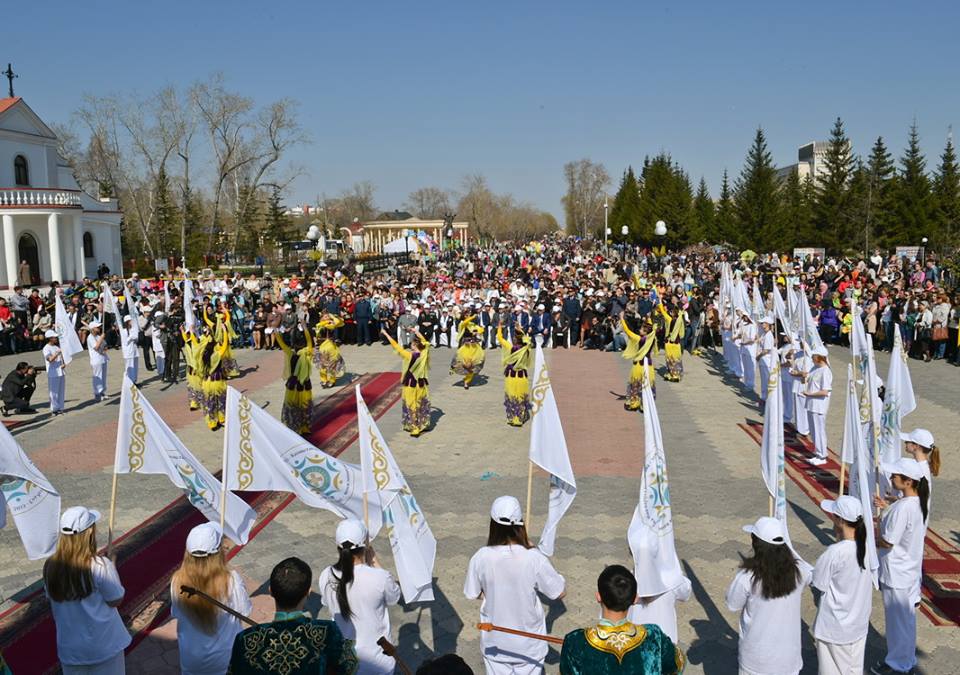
(293, 644)
(638, 350)
(298, 395)
(327, 358)
(516, 360)
(673, 352)
(192, 349)
(223, 329)
(469, 357)
(624, 647)
(214, 381)
(416, 387)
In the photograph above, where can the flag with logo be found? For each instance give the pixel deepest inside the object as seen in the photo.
(69, 340)
(861, 349)
(898, 400)
(772, 465)
(146, 445)
(548, 450)
(861, 471)
(33, 502)
(413, 544)
(262, 453)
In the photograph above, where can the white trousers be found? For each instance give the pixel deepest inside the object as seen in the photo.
(900, 615)
(57, 384)
(818, 425)
(841, 659)
(764, 379)
(802, 416)
(99, 379)
(787, 390)
(748, 368)
(131, 367)
(112, 666)
(498, 668)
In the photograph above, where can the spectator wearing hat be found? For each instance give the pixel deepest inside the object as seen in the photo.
(205, 633)
(816, 400)
(97, 349)
(507, 574)
(56, 379)
(843, 578)
(767, 591)
(357, 591)
(84, 590)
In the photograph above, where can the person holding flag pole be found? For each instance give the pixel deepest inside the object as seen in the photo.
(816, 400)
(56, 377)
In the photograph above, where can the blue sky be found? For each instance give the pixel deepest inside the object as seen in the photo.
(420, 93)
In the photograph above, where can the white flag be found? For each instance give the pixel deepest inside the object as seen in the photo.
(548, 450)
(650, 534)
(262, 453)
(807, 325)
(898, 400)
(145, 444)
(861, 471)
(189, 316)
(413, 544)
(33, 502)
(861, 348)
(166, 297)
(781, 313)
(758, 309)
(110, 305)
(772, 464)
(69, 340)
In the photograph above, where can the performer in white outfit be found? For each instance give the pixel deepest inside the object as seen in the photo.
(748, 352)
(816, 399)
(845, 583)
(357, 592)
(56, 379)
(129, 334)
(800, 369)
(156, 343)
(900, 545)
(97, 348)
(785, 354)
(508, 573)
(766, 354)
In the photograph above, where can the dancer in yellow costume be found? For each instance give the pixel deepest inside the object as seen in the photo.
(516, 357)
(416, 387)
(640, 347)
(298, 396)
(327, 358)
(192, 348)
(224, 329)
(214, 385)
(673, 333)
(468, 360)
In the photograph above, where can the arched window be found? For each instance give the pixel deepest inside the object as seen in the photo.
(87, 245)
(21, 175)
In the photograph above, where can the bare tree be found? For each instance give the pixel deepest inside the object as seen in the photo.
(428, 203)
(586, 191)
(477, 204)
(358, 202)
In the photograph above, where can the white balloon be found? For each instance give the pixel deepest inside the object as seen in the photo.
(660, 229)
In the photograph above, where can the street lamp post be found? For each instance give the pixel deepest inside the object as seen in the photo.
(606, 211)
(923, 252)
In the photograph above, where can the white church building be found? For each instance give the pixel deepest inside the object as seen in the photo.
(62, 233)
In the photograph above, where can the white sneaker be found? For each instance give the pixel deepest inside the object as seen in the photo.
(816, 461)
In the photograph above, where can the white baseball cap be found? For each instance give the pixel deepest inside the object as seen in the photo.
(50, 334)
(921, 437)
(352, 532)
(768, 320)
(845, 506)
(506, 511)
(204, 540)
(904, 466)
(820, 351)
(94, 324)
(76, 519)
(767, 529)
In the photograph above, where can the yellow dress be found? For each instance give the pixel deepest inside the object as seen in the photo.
(327, 358)
(192, 348)
(298, 395)
(672, 351)
(416, 388)
(516, 385)
(224, 328)
(639, 350)
(469, 357)
(214, 385)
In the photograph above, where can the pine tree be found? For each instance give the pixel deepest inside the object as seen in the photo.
(913, 196)
(166, 218)
(665, 194)
(278, 224)
(756, 198)
(831, 213)
(704, 215)
(859, 196)
(946, 191)
(796, 214)
(625, 207)
(881, 189)
(725, 225)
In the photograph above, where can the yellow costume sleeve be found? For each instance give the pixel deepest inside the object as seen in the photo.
(626, 329)
(283, 345)
(400, 350)
(505, 344)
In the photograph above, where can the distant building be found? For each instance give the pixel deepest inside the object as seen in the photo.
(810, 162)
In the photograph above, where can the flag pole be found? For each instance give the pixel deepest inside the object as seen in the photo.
(843, 472)
(526, 521)
(113, 508)
(770, 504)
(223, 483)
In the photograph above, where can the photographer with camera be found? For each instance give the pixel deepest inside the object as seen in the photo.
(18, 387)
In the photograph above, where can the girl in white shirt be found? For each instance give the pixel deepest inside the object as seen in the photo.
(507, 573)
(846, 585)
(357, 593)
(920, 445)
(767, 591)
(205, 633)
(85, 591)
(816, 399)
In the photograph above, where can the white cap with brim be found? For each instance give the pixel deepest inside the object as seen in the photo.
(94, 324)
(50, 334)
(127, 318)
(845, 507)
(506, 511)
(767, 320)
(767, 529)
(903, 467)
(921, 437)
(77, 519)
(820, 351)
(204, 540)
(351, 532)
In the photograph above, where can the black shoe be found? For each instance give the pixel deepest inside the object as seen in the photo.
(6, 413)
(28, 411)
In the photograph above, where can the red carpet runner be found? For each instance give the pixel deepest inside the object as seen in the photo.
(941, 559)
(148, 555)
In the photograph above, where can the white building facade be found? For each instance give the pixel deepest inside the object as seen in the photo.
(51, 229)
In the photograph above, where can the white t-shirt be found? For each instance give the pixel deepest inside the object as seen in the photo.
(662, 611)
(768, 343)
(203, 653)
(55, 367)
(96, 357)
(372, 591)
(902, 526)
(128, 342)
(89, 631)
(844, 614)
(769, 629)
(820, 379)
(509, 578)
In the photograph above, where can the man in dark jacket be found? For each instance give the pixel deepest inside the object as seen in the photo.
(17, 389)
(363, 314)
(573, 312)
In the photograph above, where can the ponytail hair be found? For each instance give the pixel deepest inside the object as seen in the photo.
(933, 459)
(923, 491)
(344, 565)
(860, 536)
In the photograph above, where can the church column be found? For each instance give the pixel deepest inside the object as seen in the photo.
(53, 235)
(10, 251)
(81, 271)
(69, 261)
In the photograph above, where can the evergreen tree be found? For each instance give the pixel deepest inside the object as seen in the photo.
(278, 224)
(913, 197)
(193, 228)
(881, 189)
(859, 196)
(832, 214)
(626, 207)
(166, 219)
(704, 215)
(796, 214)
(725, 222)
(946, 191)
(665, 194)
(756, 198)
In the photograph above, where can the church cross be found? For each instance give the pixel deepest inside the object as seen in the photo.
(11, 76)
